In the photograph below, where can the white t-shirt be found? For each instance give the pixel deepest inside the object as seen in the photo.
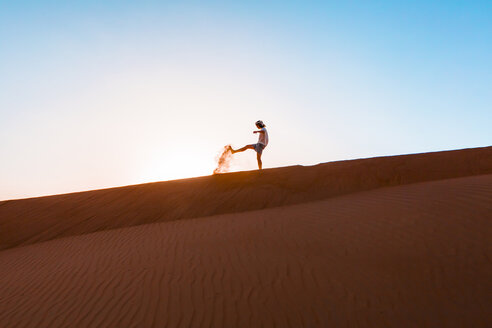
(263, 138)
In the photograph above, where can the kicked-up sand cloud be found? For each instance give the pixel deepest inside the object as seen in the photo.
(224, 160)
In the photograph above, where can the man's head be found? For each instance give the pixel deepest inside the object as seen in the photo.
(260, 124)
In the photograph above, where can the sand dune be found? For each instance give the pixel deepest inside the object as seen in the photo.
(406, 256)
(28, 221)
(399, 241)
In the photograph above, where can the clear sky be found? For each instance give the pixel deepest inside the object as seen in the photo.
(96, 94)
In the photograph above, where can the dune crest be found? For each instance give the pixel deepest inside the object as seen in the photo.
(27, 221)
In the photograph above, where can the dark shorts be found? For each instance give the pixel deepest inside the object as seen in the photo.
(259, 147)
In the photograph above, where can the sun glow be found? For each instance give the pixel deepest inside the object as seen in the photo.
(175, 162)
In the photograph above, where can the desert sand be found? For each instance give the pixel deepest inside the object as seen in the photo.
(400, 241)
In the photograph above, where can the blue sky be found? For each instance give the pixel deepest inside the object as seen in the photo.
(96, 94)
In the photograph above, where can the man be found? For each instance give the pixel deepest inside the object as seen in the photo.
(260, 145)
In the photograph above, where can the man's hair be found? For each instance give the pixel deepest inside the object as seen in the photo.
(260, 123)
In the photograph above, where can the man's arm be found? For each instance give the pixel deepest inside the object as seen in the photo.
(259, 131)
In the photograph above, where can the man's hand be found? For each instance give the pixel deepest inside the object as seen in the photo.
(255, 131)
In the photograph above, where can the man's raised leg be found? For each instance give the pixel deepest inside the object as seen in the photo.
(242, 149)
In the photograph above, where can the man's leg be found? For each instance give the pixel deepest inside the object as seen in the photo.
(243, 149)
(258, 158)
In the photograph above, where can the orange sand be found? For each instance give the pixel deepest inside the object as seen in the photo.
(399, 241)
